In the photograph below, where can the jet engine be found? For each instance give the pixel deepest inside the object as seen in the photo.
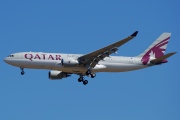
(69, 62)
(53, 75)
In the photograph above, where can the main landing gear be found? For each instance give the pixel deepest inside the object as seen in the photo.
(22, 71)
(81, 79)
(88, 73)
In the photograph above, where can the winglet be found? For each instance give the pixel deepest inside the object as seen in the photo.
(134, 34)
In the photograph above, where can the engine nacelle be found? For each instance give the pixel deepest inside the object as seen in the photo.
(69, 62)
(53, 75)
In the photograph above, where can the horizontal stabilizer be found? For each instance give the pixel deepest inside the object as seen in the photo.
(162, 59)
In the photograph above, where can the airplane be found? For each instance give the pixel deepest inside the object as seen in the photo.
(63, 65)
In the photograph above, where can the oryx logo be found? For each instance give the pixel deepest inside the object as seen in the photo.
(156, 51)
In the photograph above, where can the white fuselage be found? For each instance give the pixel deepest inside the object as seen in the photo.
(52, 61)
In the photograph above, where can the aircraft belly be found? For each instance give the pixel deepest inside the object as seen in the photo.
(108, 67)
(122, 67)
(78, 69)
(75, 70)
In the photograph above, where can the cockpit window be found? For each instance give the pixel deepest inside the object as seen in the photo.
(11, 56)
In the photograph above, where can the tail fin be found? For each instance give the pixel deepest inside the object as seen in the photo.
(156, 49)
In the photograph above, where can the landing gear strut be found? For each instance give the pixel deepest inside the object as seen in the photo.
(22, 71)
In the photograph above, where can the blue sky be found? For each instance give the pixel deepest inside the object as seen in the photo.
(82, 27)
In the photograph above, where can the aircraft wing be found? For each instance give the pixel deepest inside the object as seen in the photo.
(91, 59)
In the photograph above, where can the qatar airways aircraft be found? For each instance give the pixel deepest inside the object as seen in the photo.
(63, 65)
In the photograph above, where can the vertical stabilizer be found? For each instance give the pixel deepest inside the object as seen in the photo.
(156, 49)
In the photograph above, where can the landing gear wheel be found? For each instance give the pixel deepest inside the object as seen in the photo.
(22, 73)
(80, 79)
(93, 75)
(88, 72)
(85, 82)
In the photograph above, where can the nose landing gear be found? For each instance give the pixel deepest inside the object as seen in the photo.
(22, 71)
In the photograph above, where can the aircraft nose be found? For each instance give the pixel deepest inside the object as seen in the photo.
(9, 61)
(5, 60)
